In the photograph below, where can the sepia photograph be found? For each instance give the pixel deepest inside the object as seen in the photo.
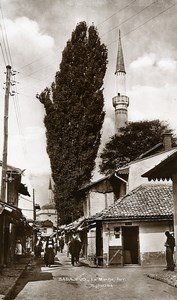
(88, 149)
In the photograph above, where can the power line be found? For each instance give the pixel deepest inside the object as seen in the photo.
(143, 23)
(19, 122)
(57, 59)
(117, 12)
(5, 49)
(129, 18)
(29, 75)
(7, 43)
(3, 55)
(26, 199)
(5, 39)
(42, 68)
(13, 93)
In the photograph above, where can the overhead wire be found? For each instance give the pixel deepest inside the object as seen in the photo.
(128, 19)
(139, 26)
(116, 12)
(13, 73)
(21, 197)
(126, 6)
(4, 52)
(136, 28)
(6, 39)
(3, 55)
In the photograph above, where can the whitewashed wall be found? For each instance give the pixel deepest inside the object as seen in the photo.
(47, 214)
(91, 239)
(109, 238)
(151, 239)
(98, 202)
(139, 167)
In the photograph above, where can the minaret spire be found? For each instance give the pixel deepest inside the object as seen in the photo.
(120, 67)
(50, 192)
(121, 101)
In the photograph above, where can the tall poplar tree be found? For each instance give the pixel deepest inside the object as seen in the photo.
(74, 117)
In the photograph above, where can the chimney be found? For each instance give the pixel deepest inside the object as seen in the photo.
(167, 141)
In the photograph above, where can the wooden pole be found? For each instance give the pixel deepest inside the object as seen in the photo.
(5, 146)
(4, 161)
(34, 219)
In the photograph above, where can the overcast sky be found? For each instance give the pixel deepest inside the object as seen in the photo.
(37, 32)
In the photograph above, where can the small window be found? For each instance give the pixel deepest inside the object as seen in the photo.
(117, 232)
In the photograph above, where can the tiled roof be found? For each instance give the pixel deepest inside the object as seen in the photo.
(145, 202)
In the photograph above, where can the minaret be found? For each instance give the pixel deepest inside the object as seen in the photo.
(121, 101)
(50, 193)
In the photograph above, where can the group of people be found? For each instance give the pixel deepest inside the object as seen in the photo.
(75, 245)
(51, 248)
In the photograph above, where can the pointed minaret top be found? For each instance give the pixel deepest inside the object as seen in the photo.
(120, 59)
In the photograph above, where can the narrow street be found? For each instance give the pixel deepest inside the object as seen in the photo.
(63, 281)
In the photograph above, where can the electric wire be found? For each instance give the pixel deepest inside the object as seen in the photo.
(116, 12)
(5, 52)
(6, 39)
(29, 75)
(42, 68)
(19, 119)
(3, 55)
(128, 19)
(139, 26)
(21, 197)
(136, 28)
(13, 93)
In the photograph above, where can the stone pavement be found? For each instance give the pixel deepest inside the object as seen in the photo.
(10, 275)
(169, 277)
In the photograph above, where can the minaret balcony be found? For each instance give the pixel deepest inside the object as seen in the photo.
(120, 100)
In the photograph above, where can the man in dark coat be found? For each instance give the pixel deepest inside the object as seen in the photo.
(170, 244)
(49, 255)
(74, 249)
(61, 244)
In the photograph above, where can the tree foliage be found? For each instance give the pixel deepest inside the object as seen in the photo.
(136, 138)
(74, 117)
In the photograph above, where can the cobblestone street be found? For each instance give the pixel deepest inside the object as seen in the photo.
(63, 281)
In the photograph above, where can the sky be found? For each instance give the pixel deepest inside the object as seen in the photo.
(33, 35)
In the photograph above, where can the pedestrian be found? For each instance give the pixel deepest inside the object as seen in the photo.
(18, 249)
(38, 248)
(49, 255)
(74, 249)
(61, 244)
(169, 244)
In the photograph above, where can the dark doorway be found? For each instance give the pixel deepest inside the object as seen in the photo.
(130, 237)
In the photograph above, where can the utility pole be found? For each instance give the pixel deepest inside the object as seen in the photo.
(4, 161)
(6, 113)
(34, 219)
(34, 209)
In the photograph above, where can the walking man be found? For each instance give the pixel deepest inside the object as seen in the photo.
(170, 244)
(74, 249)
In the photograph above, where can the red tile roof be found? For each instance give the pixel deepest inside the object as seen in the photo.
(145, 202)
